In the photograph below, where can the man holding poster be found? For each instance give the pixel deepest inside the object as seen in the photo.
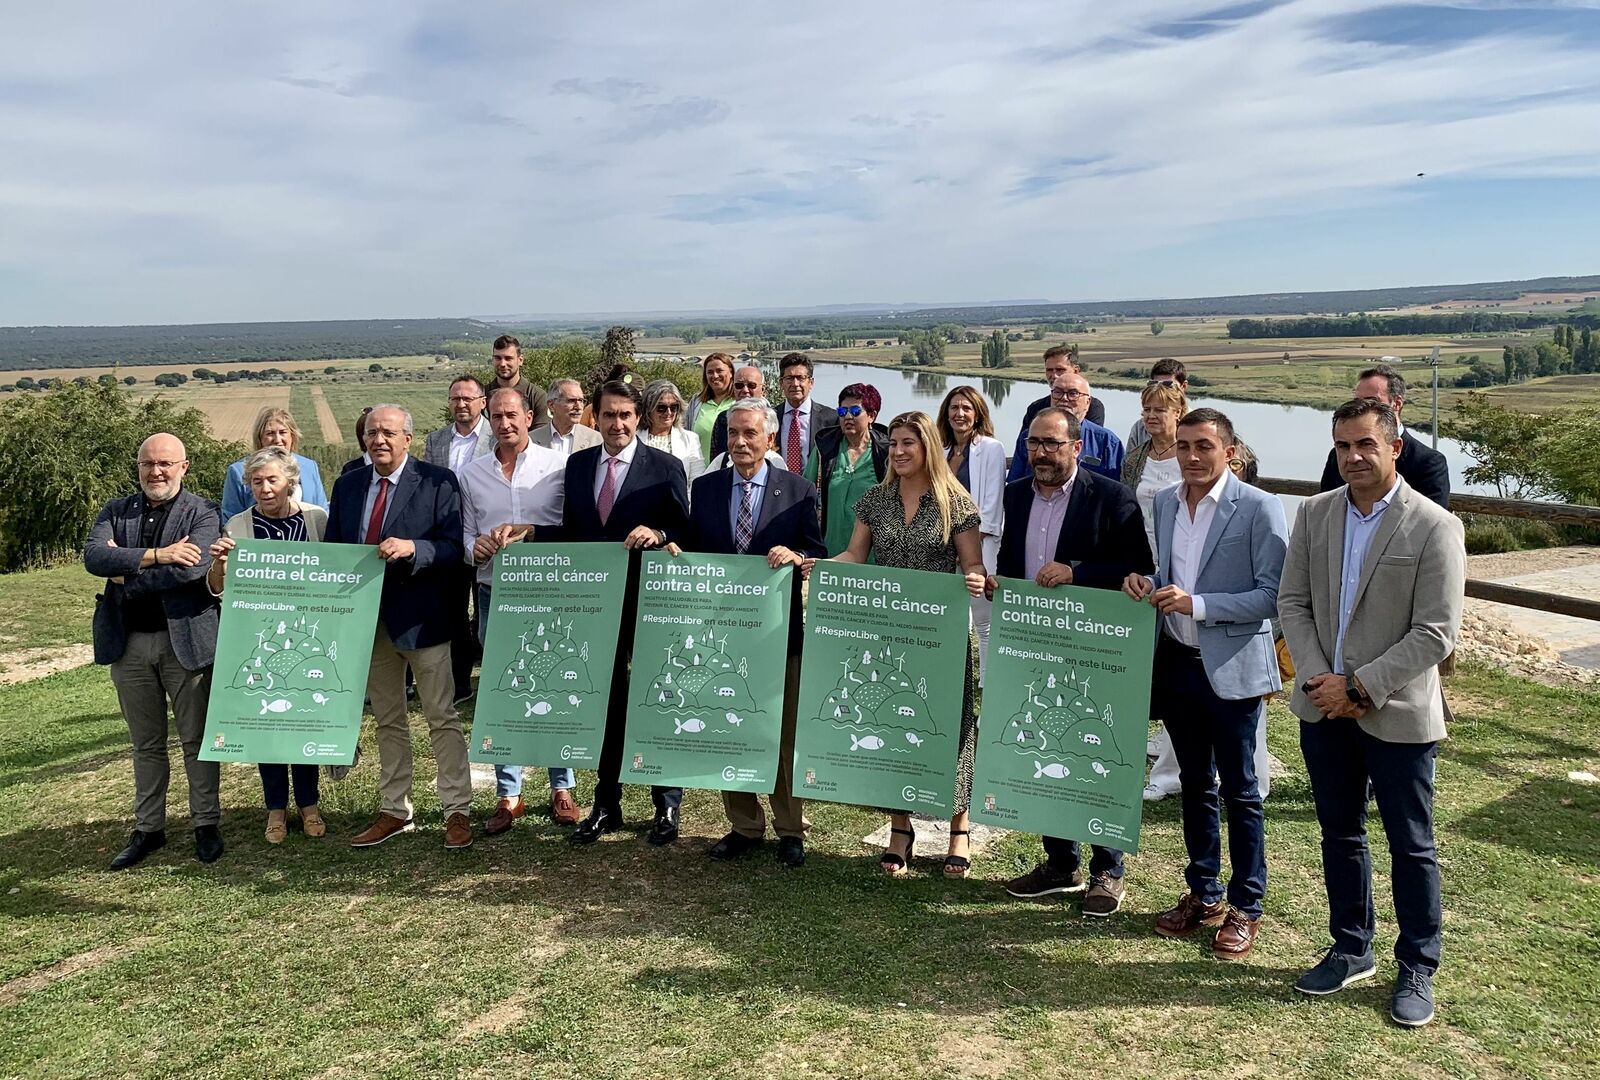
(623, 492)
(1220, 545)
(1069, 526)
(753, 509)
(511, 495)
(411, 511)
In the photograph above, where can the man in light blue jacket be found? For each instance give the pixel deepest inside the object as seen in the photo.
(1220, 546)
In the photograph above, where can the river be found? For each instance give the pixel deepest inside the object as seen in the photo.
(1291, 441)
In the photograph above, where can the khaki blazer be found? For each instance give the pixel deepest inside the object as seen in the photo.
(582, 438)
(1406, 615)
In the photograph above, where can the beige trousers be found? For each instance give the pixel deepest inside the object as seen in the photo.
(386, 686)
(788, 813)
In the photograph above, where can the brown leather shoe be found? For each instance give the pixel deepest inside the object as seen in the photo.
(505, 815)
(386, 826)
(1190, 915)
(1236, 937)
(564, 808)
(457, 832)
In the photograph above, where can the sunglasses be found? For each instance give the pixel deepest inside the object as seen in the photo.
(850, 410)
(664, 408)
(746, 386)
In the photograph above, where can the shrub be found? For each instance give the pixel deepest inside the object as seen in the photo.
(67, 452)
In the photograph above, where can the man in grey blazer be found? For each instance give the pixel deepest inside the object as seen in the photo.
(1219, 551)
(156, 625)
(454, 447)
(1371, 604)
(564, 434)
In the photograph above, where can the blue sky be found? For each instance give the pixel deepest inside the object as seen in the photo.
(188, 162)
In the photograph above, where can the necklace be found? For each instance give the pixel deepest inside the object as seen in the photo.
(1160, 451)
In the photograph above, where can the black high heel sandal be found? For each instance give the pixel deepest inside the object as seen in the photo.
(893, 864)
(958, 866)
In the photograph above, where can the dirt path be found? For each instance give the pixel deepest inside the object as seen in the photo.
(325, 418)
(1549, 648)
(25, 665)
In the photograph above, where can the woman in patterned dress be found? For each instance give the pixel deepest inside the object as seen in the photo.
(272, 473)
(920, 518)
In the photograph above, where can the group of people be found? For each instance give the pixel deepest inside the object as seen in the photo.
(1367, 592)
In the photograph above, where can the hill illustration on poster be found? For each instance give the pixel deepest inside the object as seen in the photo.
(877, 708)
(1068, 735)
(290, 667)
(701, 686)
(549, 668)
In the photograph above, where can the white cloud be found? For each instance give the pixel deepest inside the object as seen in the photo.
(412, 159)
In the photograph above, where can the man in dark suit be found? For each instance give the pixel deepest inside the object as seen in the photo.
(156, 625)
(624, 491)
(411, 511)
(360, 460)
(1068, 526)
(757, 509)
(800, 420)
(1422, 467)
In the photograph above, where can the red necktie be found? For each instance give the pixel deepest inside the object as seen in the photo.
(791, 449)
(375, 522)
(608, 491)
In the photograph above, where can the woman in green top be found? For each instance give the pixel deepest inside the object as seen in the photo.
(716, 394)
(840, 460)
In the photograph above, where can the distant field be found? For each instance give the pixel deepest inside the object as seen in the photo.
(147, 372)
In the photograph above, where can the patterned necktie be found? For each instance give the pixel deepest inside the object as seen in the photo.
(375, 522)
(791, 446)
(608, 491)
(744, 529)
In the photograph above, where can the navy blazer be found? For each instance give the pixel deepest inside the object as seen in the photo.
(113, 550)
(655, 493)
(1102, 536)
(425, 509)
(1423, 467)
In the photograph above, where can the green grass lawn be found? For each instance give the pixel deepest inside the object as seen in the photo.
(525, 957)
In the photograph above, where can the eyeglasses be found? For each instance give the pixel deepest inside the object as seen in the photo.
(1071, 395)
(466, 400)
(164, 466)
(1049, 446)
(850, 410)
(795, 378)
(747, 386)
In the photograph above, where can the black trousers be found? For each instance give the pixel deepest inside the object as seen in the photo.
(464, 648)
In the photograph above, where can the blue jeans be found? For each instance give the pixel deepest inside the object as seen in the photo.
(1215, 741)
(1340, 757)
(508, 778)
(275, 785)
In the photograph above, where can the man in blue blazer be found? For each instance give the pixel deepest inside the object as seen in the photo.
(624, 491)
(757, 509)
(1065, 525)
(1220, 545)
(411, 511)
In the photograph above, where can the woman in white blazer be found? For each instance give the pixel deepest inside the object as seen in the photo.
(663, 427)
(979, 461)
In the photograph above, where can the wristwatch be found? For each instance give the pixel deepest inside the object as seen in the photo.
(1353, 692)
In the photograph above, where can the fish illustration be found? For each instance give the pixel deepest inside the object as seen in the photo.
(1055, 770)
(536, 708)
(691, 726)
(573, 699)
(913, 739)
(280, 705)
(320, 698)
(735, 719)
(1099, 768)
(871, 742)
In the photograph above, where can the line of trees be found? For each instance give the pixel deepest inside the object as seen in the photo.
(1366, 325)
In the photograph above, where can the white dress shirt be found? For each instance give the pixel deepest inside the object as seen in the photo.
(563, 444)
(1188, 544)
(462, 447)
(623, 460)
(372, 494)
(534, 495)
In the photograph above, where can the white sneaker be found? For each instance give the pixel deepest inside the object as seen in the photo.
(1154, 794)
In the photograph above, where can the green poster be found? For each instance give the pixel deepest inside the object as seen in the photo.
(550, 649)
(293, 647)
(1065, 713)
(882, 676)
(705, 704)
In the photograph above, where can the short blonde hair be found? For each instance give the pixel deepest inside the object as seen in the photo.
(1172, 397)
(267, 416)
(272, 455)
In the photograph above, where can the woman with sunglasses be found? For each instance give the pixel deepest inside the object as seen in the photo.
(978, 461)
(919, 518)
(847, 460)
(663, 413)
(716, 395)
